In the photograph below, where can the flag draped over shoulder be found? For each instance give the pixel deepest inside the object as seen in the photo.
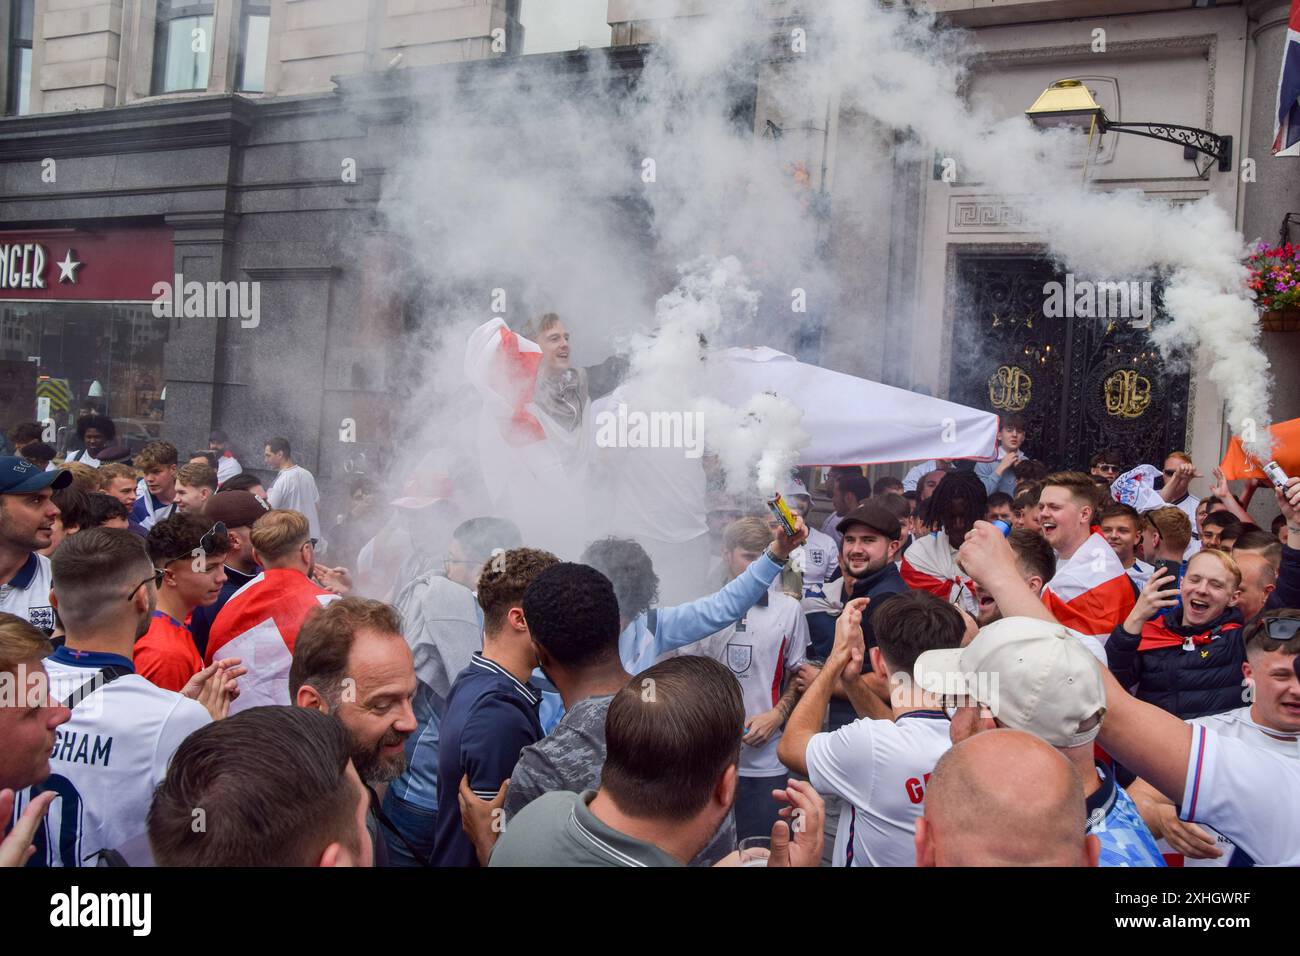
(259, 625)
(503, 366)
(1286, 131)
(930, 565)
(1091, 593)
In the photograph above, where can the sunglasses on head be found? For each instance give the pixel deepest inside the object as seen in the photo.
(1281, 628)
(209, 543)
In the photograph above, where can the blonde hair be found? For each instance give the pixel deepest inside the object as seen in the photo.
(278, 533)
(156, 454)
(114, 470)
(751, 534)
(1180, 455)
(1173, 526)
(83, 476)
(21, 642)
(1225, 559)
(537, 326)
(196, 474)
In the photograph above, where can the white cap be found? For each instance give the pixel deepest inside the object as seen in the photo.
(1032, 675)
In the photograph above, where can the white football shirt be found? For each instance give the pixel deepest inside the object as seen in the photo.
(880, 769)
(1238, 724)
(1245, 792)
(27, 593)
(821, 557)
(108, 758)
(761, 649)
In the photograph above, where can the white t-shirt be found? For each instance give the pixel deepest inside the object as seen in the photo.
(27, 593)
(1246, 792)
(108, 758)
(84, 457)
(761, 649)
(295, 488)
(880, 768)
(1239, 725)
(227, 467)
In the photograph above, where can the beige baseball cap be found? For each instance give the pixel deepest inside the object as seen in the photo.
(1032, 675)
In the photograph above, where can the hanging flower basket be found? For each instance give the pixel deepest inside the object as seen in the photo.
(1275, 277)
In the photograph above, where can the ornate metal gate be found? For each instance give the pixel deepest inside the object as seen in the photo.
(1082, 383)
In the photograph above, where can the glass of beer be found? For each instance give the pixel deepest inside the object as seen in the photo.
(755, 850)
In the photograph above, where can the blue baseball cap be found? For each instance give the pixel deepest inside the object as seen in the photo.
(18, 476)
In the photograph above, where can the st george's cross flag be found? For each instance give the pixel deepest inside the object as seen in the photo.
(930, 564)
(1286, 132)
(503, 366)
(259, 625)
(1090, 592)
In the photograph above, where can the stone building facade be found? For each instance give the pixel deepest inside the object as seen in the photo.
(220, 126)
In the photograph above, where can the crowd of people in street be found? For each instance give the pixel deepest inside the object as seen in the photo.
(1001, 662)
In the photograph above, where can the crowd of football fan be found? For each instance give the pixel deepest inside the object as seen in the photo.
(991, 665)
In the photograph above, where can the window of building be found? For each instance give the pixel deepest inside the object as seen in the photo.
(554, 25)
(182, 46)
(83, 356)
(22, 20)
(254, 33)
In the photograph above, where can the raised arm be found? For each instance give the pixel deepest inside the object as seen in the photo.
(1151, 742)
(987, 557)
(1287, 592)
(688, 623)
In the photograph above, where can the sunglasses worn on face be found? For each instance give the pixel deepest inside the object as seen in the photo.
(1108, 467)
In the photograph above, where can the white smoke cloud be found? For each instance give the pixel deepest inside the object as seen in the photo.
(550, 197)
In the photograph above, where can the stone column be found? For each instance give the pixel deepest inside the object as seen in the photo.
(75, 50)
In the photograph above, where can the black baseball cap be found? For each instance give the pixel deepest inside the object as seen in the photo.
(875, 517)
(18, 476)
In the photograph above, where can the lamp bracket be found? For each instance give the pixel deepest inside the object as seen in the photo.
(1203, 141)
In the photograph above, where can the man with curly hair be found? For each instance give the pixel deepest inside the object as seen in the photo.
(492, 708)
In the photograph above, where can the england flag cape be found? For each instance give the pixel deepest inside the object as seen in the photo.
(259, 625)
(1090, 593)
(533, 466)
(930, 564)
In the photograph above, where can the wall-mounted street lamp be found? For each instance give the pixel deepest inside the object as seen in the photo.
(1069, 103)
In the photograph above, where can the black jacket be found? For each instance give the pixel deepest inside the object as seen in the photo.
(1189, 680)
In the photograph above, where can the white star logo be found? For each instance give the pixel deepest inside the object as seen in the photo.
(68, 268)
